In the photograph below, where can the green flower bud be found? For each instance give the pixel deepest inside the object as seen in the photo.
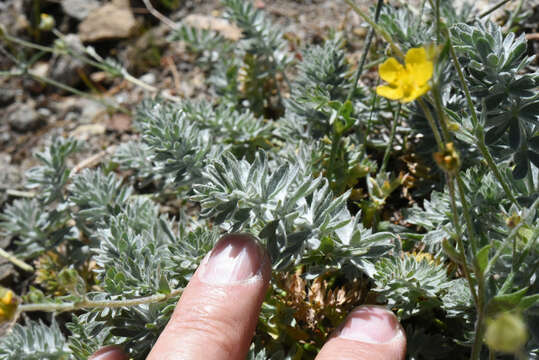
(506, 333)
(47, 22)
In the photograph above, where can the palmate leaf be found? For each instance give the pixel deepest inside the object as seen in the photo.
(96, 197)
(259, 36)
(52, 175)
(209, 44)
(180, 148)
(324, 75)
(88, 336)
(289, 210)
(494, 63)
(34, 227)
(34, 341)
(410, 284)
(132, 253)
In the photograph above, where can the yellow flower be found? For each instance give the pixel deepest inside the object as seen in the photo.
(406, 83)
(8, 305)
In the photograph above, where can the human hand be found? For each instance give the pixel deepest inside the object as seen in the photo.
(217, 313)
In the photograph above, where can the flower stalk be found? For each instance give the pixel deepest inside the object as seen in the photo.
(97, 304)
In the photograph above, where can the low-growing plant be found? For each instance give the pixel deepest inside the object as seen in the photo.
(420, 193)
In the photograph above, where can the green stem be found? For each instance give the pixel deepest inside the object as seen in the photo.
(477, 129)
(467, 216)
(479, 330)
(432, 124)
(462, 249)
(376, 28)
(369, 122)
(370, 35)
(494, 8)
(530, 211)
(514, 14)
(77, 92)
(531, 185)
(91, 304)
(446, 135)
(438, 36)
(15, 261)
(333, 154)
(25, 43)
(391, 138)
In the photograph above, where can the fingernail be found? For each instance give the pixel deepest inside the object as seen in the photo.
(112, 352)
(235, 258)
(372, 324)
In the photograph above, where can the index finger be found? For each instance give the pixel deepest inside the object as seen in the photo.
(217, 313)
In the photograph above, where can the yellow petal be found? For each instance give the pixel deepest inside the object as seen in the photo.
(390, 70)
(8, 296)
(390, 92)
(418, 65)
(417, 92)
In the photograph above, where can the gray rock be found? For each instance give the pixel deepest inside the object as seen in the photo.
(24, 117)
(65, 69)
(7, 96)
(79, 9)
(110, 21)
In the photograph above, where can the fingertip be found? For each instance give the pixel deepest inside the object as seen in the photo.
(369, 332)
(218, 311)
(112, 352)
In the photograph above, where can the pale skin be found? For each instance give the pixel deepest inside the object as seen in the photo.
(217, 313)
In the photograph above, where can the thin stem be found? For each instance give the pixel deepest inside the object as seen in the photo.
(369, 122)
(509, 238)
(158, 15)
(27, 44)
(77, 92)
(462, 249)
(514, 14)
(529, 179)
(15, 261)
(391, 138)
(333, 154)
(91, 304)
(477, 129)
(370, 35)
(438, 36)
(441, 115)
(376, 28)
(494, 8)
(432, 124)
(478, 340)
(467, 216)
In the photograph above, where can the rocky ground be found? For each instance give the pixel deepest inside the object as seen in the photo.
(32, 111)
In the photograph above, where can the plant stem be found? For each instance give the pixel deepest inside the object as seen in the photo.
(479, 329)
(432, 124)
(15, 261)
(91, 304)
(467, 216)
(335, 142)
(514, 14)
(462, 249)
(78, 92)
(370, 35)
(509, 238)
(438, 22)
(479, 295)
(477, 129)
(391, 138)
(376, 28)
(494, 8)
